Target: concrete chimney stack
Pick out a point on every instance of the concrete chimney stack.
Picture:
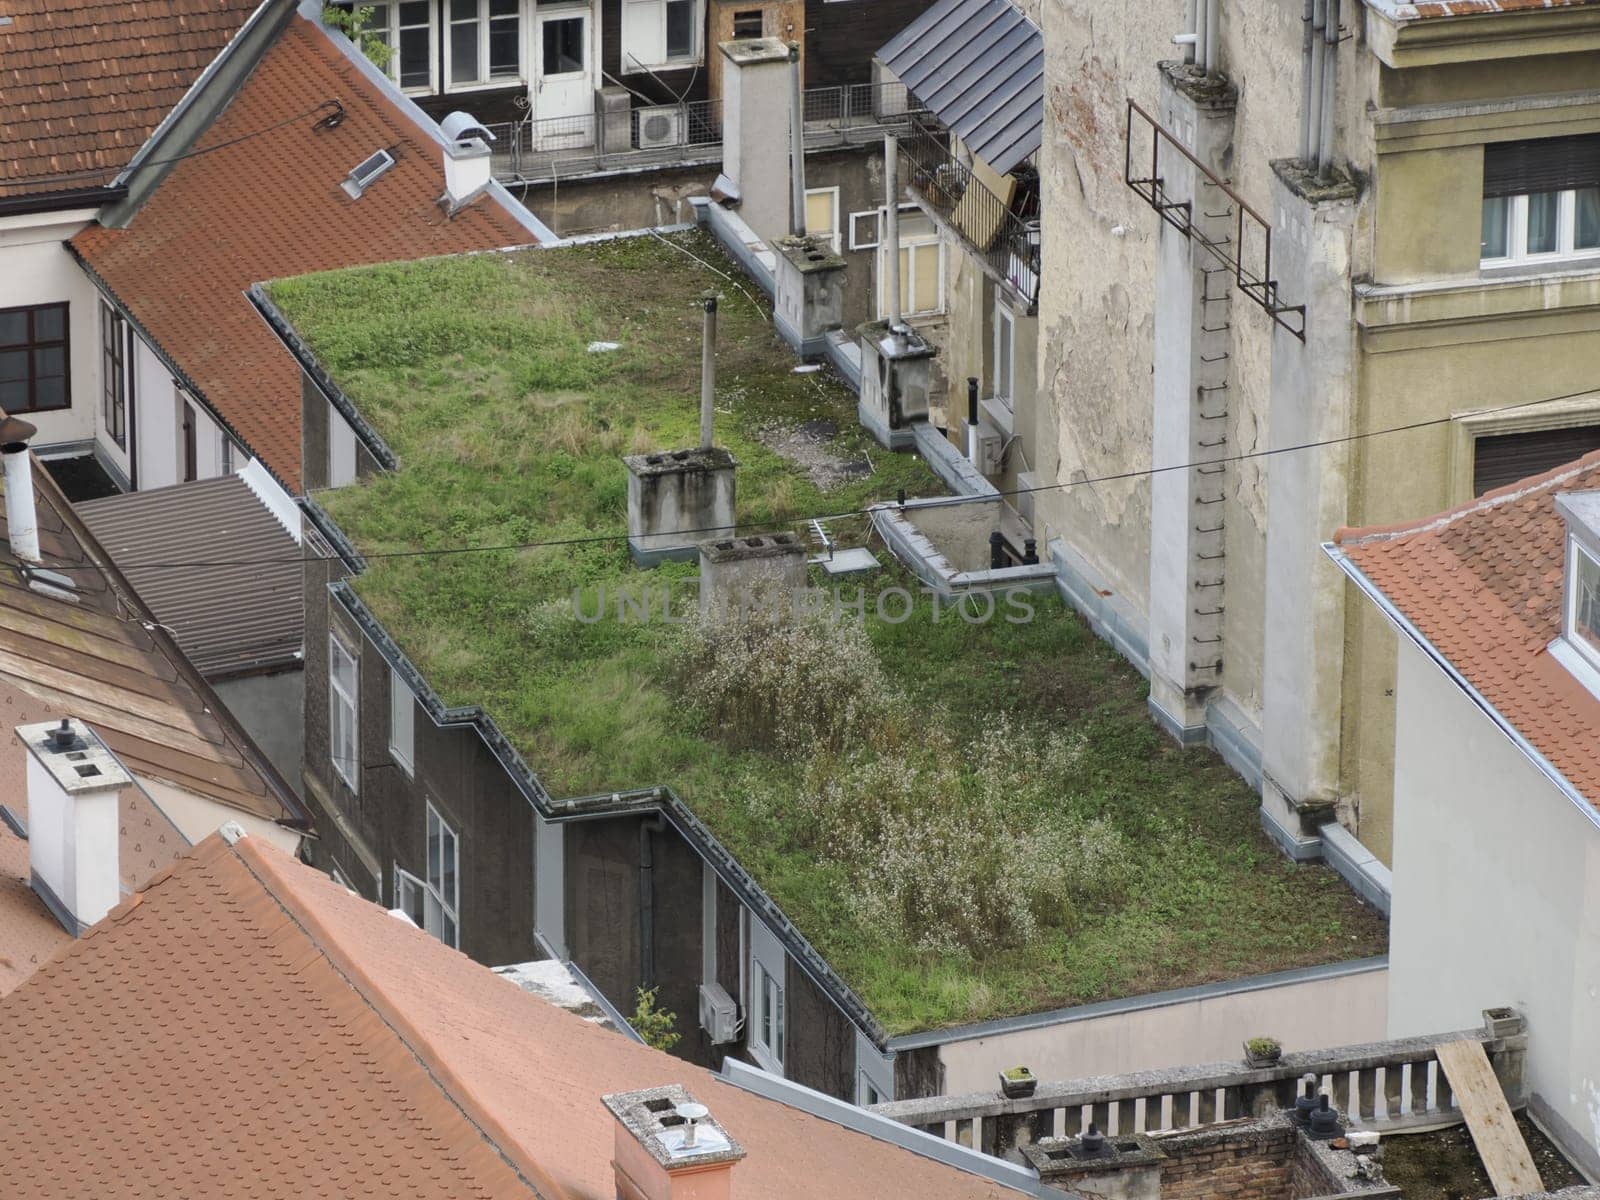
(73, 784)
(22, 521)
(667, 1147)
(468, 162)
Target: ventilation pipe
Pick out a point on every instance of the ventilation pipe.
(1213, 10)
(797, 144)
(1199, 32)
(708, 369)
(891, 229)
(1313, 117)
(1330, 74)
(1186, 39)
(972, 419)
(22, 521)
(1307, 39)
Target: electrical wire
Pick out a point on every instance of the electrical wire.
(330, 121)
(843, 514)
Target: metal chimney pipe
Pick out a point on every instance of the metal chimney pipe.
(1213, 36)
(1307, 40)
(797, 144)
(891, 228)
(1330, 75)
(22, 519)
(1319, 17)
(708, 369)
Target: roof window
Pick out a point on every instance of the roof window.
(1578, 647)
(366, 173)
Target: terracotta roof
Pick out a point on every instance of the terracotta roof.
(1483, 584)
(103, 660)
(1425, 10)
(270, 207)
(246, 1026)
(239, 609)
(83, 83)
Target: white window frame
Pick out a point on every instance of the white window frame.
(909, 280)
(484, 79)
(340, 698)
(1577, 552)
(834, 235)
(390, 30)
(651, 16)
(1005, 321)
(402, 724)
(767, 1024)
(1517, 253)
(449, 904)
(871, 241)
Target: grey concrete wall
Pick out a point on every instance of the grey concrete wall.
(1496, 893)
(271, 709)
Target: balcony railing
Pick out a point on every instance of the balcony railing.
(1385, 1085)
(1003, 235)
(540, 149)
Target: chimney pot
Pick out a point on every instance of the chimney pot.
(668, 1147)
(22, 521)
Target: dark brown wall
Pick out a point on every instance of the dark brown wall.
(663, 87)
(918, 1074)
(820, 1042)
(842, 36)
(313, 435)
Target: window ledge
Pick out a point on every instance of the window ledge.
(1001, 415)
(1578, 666)
(1489, 294)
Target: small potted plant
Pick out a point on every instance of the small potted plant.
(1017, 1082)
(1501, 1022)
(1262, 1051)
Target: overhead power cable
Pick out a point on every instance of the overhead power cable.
(601, 538)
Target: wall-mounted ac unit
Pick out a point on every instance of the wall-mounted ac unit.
(985, 448)
(659, 127)
(719, 1015)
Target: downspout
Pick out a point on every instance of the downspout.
(1319, 18)
(1213, 37)
(1330, 75)
(647, 899)
(1200, 32)
(891, 231)
(1187, 38)
(797, 144)
(1307, 40)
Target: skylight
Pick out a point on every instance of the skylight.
(366, 173)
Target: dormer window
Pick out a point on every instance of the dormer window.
(1578, 647)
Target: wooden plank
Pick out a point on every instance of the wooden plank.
(1505, 1155)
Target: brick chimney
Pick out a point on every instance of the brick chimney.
(73, 783)
(670, 1148)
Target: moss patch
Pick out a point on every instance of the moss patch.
(477, 372)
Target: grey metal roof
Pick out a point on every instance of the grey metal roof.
(979, 66)
(243, 614)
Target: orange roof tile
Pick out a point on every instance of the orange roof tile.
(83, 83)
(1483, 584)
(271, 207)
(245, 1026)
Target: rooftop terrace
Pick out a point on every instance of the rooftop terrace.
(968, 820)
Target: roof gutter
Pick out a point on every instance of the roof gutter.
(43, 202)
(1401, 622)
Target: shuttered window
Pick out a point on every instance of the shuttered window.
(1510, 457)
(1542, 165)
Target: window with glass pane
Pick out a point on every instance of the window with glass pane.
(414, 32)
(505, 38)
(114, 373)
(402, 722)
(33, 358)
(464, 41)
(680, 28)
(1004, 352)
(1584, 613)
(1541, 199)
(1586, 219)
(563, 46)
(442, 877)
(822, 214)
(1496, 227)
(771, 1028)
(342, 730)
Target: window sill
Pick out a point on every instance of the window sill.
(405, 765)
(764, 1058)
(1001, 415)
(1533, 268)
(673, 64)
(493, 85)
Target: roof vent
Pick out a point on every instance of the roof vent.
(366, 173)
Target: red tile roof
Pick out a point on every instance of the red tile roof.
(1483, 584)
(271, 207)
(1427, 10)
(83, 83)
(245, 1026)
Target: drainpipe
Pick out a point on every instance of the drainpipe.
(1213, 36)
(1319, 19)
(797, 144)
(1307, 40)
(891, 230)
(1330, 75)
(1187, 39)
(22, 520)
(972, 420)
(1200, 32)
(647, 899)
(708, 369)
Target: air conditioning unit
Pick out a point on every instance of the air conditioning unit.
(659, 127)
(986, 448)
(719, 1015)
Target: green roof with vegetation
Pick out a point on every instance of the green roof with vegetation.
(969, 820)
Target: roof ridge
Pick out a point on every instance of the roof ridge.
(270, 875)
(1361, 535)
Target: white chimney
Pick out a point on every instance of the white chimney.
(22, 521)
(73, 783)
(667, 1147)
(468, 164)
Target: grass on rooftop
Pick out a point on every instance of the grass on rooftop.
(1112, 862)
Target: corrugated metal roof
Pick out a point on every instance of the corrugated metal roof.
(979, 66)
(228, 619)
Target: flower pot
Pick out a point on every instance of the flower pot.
(1501, 1022)
(1267, 1058)
(1017, 1083)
